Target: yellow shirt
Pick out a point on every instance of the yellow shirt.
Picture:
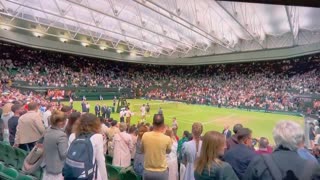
(155, 146)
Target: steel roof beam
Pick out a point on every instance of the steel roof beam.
(235, 20)
(84, 23)
(130, 23)
(203, 33)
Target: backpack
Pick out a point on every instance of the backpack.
(78, 164)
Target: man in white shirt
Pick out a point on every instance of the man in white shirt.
(122, 114)
(143, 113)
(128, 116)
(88, 107)
(46, 116)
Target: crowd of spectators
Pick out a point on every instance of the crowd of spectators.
(272, 85)
(156, 150)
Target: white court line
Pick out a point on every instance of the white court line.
(222, 118)
(186, 121)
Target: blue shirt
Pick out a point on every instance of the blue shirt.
(305, 154)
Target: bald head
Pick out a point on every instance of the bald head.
(32, 106)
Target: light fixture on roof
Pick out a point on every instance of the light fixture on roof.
(64, 40)
(133, 53)
(103, 47)
(5, 27)
(37, 34)
(84, 44)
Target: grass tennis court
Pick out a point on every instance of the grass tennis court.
(211, 117)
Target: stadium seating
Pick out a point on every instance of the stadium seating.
(9, 174)
(113, 172)
(108, 159)
(12, 162)
(118, 173)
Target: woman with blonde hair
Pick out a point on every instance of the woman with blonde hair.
(172, 158)
(209, 166)
(139, 156)
(90, 125)
(55, 146)
(122, 147)
(191, 151)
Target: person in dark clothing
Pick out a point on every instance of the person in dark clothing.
(233, 140)
(84, 106)
(97, 110)
(108, 112)
(240, 156)
(104, 111)
(226, 132)
(312, 134)
(284, 163)
(1, 129)
(13, 122)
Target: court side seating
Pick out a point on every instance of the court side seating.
(9, 174)
(113, 172)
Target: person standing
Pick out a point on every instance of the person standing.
(160, 111)
(172, 158)
(209, 165)
(288, 137)
(88, 107)
(148, 108)
(84, 106)
(312, 135)
(108, 113)
(241, 162)
(143, 113)
(191, 151)
(128, 116)
(122, 115)
(138, 163)
(56, 147)
(97, 110)
(155, 146)
(30, 128)
(111, 132)
(226, 132)
(90, 124)
(17, 109)
(233, 140)
(122, 147)
(114, 101)
(46, 116)
(104, 111)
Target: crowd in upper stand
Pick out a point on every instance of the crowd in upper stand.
(273, 84)
(156, 150)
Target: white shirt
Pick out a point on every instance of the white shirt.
(122, 113)
(143, 110)
(46, 118)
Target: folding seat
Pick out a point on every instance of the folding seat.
(9, 174)
(113, 172)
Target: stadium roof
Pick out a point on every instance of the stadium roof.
(166, 30)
